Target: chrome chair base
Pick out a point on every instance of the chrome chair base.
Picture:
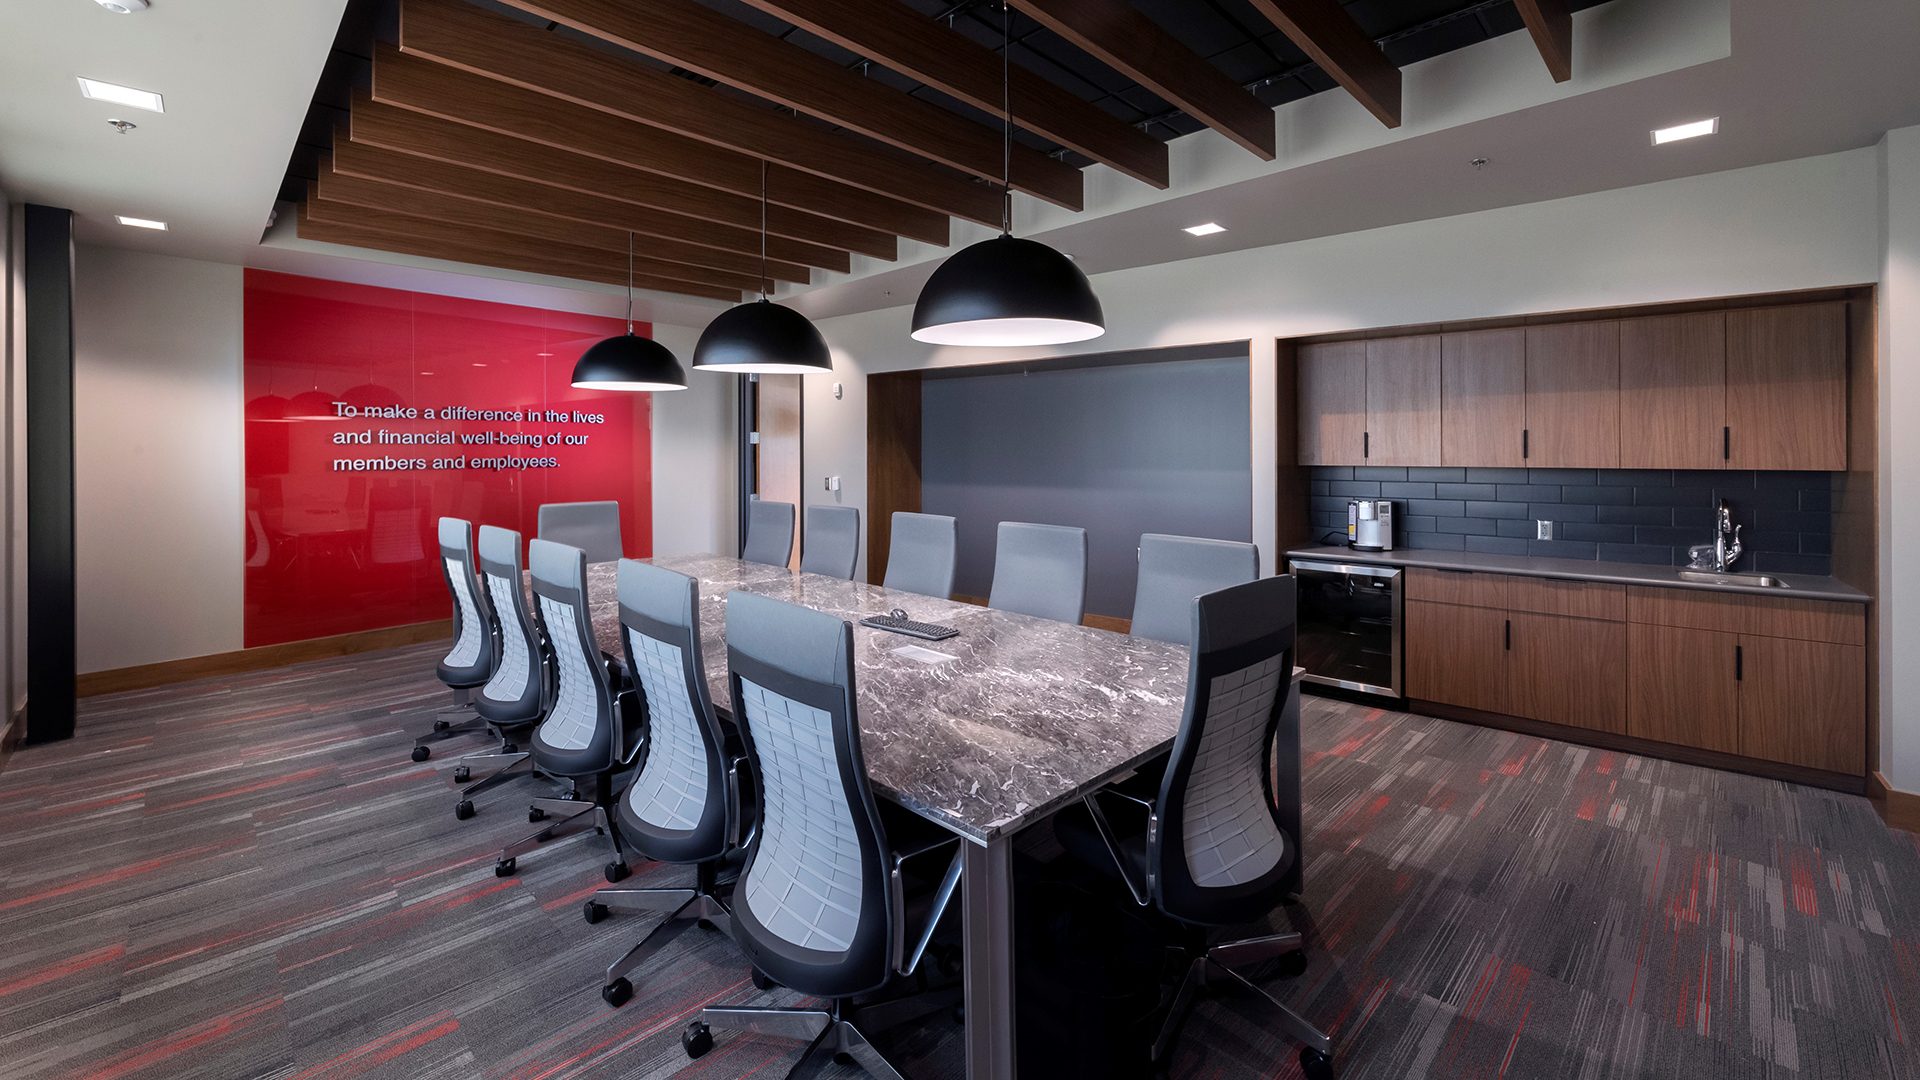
(697, 905)
(561, 818)
(840, 1030)
(1216, 963)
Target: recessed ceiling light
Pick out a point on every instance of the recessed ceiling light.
(1694, 130)
(123, 7)
(140, 222)
(121, 95)
(1205, 229)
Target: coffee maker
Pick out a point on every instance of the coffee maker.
(1370, 524)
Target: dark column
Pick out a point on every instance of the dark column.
(48, 266)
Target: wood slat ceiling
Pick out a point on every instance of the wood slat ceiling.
(539, 133)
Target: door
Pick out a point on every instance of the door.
(1787, 387)
(1573, 396)
(1681, 687)
(1804, 703)
(1568, 671)
(1457, 655)
(1403, 401)
(1483, 389)
(777, 454)
(1333, 403)
(1673, 391)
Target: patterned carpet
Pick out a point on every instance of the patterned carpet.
(247, 878)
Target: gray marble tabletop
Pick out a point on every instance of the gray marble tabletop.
(1019, 717)
(1798, 586)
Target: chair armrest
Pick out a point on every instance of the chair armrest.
(736, 813)
(904, 962)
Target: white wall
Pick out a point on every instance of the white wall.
(1899, 332)
(694, 459)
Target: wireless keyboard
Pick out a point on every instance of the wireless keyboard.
(898, 623)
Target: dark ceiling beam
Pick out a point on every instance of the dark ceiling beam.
(517, 183)
(388, 221)
(473, 253)
(895, 36)
(460, 35)
(694, 37)
(823, 211)
(456, 209)
(1551, 25)
(588, 189)
(1117, 35)
(1330, 38)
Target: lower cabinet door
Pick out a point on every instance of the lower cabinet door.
(1456, 655)
(1568, 671)
(1804, 703)
(1681, 687)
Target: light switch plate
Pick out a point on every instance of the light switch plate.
(1543, 530)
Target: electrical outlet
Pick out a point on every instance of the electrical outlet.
(1543, 530)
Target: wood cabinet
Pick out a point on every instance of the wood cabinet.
(1573, 396)
(1456, 655)
(1673, 391)
(1681, 687)
(1403, 401)
(1804, 703)
(1333, 402)
(1483, 398)
(1567, 670)
(1787, 387)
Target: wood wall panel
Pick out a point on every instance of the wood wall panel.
(893, 460)
(778, 475)
(1673, 400)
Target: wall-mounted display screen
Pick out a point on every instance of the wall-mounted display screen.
(371, 413)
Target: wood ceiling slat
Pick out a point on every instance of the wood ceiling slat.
(460, 35)
(455, 209)
(1329, 36)
(1120, 37)
(834, 211)
(684, 33)
(1551, 25)
(895, 36)
(595, 191)
(475, 254)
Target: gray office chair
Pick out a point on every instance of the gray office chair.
(683, 805)
(469, 662)
(1040, 570)
(920, 555)
(821, 903)
(592, 729)
(769, 533)
(593, 527)
(1202, 842)
(832, 544)
(1174, 570)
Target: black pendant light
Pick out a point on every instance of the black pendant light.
(1007, 291)
(629, 362)
(761, 337)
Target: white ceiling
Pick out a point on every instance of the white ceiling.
(1789, 79)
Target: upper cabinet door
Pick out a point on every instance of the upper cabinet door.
(1787, 387)
(1673, 399)
(1333, 403)
(1403, 401)
(1483, 387)
(1573, 395)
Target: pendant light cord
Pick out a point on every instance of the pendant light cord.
(1006, 110)
(629, 283)
(763, 228)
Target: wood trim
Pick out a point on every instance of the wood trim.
(1120, 37)
(1293, 524)
(1469, 588)
(686, 34)
(1551, 25)
(1856, 493)
(1330, 38)
(1559, 596)
(906, 41)
(1835, 621)
(12, 734)
(146, 676)
(1899, 809)
(893, 460)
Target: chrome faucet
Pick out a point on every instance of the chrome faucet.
(1725, 547)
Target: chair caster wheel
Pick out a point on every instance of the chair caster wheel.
(697, 1039)
(504, 868)
(619, 992)
(763, 981)
(842, 1058)
(421, 753)
(595, 911)
(442, 725)
(463, 809)
(616, 872)
(510, 748)
(536, 815)
(705, 924)
(1293, 965)
(1315, 1065)
(462, 774)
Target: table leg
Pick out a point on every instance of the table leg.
(987, 912)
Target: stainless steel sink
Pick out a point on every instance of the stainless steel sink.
(1708, 577)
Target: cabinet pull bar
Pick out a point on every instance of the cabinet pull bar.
(1509, 635)
(1523, 443)
(1366, 444)
(1739, 663)
(1726, 443)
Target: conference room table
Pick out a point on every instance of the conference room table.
(983, 733)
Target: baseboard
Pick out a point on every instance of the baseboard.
(146, 676)
(10, 737)
(1899, 809)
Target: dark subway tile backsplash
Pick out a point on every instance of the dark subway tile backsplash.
(1617, 515)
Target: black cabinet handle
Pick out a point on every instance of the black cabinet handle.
(1509, 635)
(1726, 444)
(1366, 444)
(1523, 443)
(1739, 663)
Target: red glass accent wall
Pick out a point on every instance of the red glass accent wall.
(348, 473)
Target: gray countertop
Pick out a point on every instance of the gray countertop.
(1798, 586)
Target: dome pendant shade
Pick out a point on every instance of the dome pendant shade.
(761, 337)
(629, 362)
(1007, 291)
